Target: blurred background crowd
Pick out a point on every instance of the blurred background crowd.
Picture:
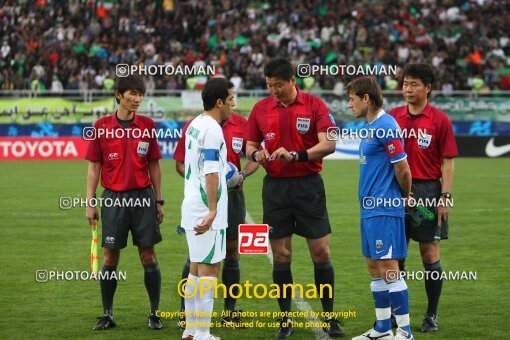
(52, 45)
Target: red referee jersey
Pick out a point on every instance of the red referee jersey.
(233, 132)
(125, 161)
(294, 127)
(425, 152)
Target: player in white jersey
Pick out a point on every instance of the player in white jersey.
(204, 208)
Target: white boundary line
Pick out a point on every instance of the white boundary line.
(301, 304)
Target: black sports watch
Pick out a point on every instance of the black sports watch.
(446, 195)
(294, 155)
(162, 202)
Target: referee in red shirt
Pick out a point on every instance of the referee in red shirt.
(233, 131)
(430, 147)
(128, 163)
(293, 126)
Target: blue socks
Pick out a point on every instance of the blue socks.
(382, 305)
(399, 296)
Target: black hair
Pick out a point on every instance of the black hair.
(132, 82)
(424, 72)
(279, 68)
(214, 89)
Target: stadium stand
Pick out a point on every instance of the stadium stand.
(75, 45)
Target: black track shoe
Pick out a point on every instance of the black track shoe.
(286, 329)
(429, 324)
(106, 321)
(154, 322)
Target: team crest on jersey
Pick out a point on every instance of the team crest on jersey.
(303, 125)
(379, 244)
(142, 149)
(424, 140)
(237, 144)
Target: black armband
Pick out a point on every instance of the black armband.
(253, 155)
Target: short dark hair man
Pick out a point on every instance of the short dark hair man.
(205, 205)
(293, 126)
(129, 170)
(430, 146)
(233, 131)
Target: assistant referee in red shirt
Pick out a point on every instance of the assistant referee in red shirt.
(430, 147)
(293, 126)
(130, 172)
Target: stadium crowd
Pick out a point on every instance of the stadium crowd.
(75, 45)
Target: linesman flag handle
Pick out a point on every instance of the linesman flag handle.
(94, 266)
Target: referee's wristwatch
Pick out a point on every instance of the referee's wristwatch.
(447, 195)
(162, 202)
(294, 155)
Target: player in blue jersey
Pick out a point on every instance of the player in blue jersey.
(384, 186)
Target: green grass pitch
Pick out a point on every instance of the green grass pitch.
(36, 234)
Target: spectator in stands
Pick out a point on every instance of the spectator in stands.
(86, 39)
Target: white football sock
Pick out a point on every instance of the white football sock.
(189, 305)
(204, 305)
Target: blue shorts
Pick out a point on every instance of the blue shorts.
(383, 237)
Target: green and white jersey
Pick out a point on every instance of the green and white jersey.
(206, 153)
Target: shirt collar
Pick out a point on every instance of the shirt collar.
(227, 122)
(299, 99)
(116, 123)
(426, 110)
(379, 114)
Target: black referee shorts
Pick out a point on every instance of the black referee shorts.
(142, 220)
(295, 205)
(426, 189)
(236, 213)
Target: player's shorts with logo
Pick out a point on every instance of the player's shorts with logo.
(426, 191)
(208, 247)
(236, 213)
(142, 220)
(383, 237)
(295, 205)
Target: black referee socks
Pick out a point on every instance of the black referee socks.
(325, 275)
(231, 274)
(152, 280)
(108, 284)
(433, 285)
(282, 275)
